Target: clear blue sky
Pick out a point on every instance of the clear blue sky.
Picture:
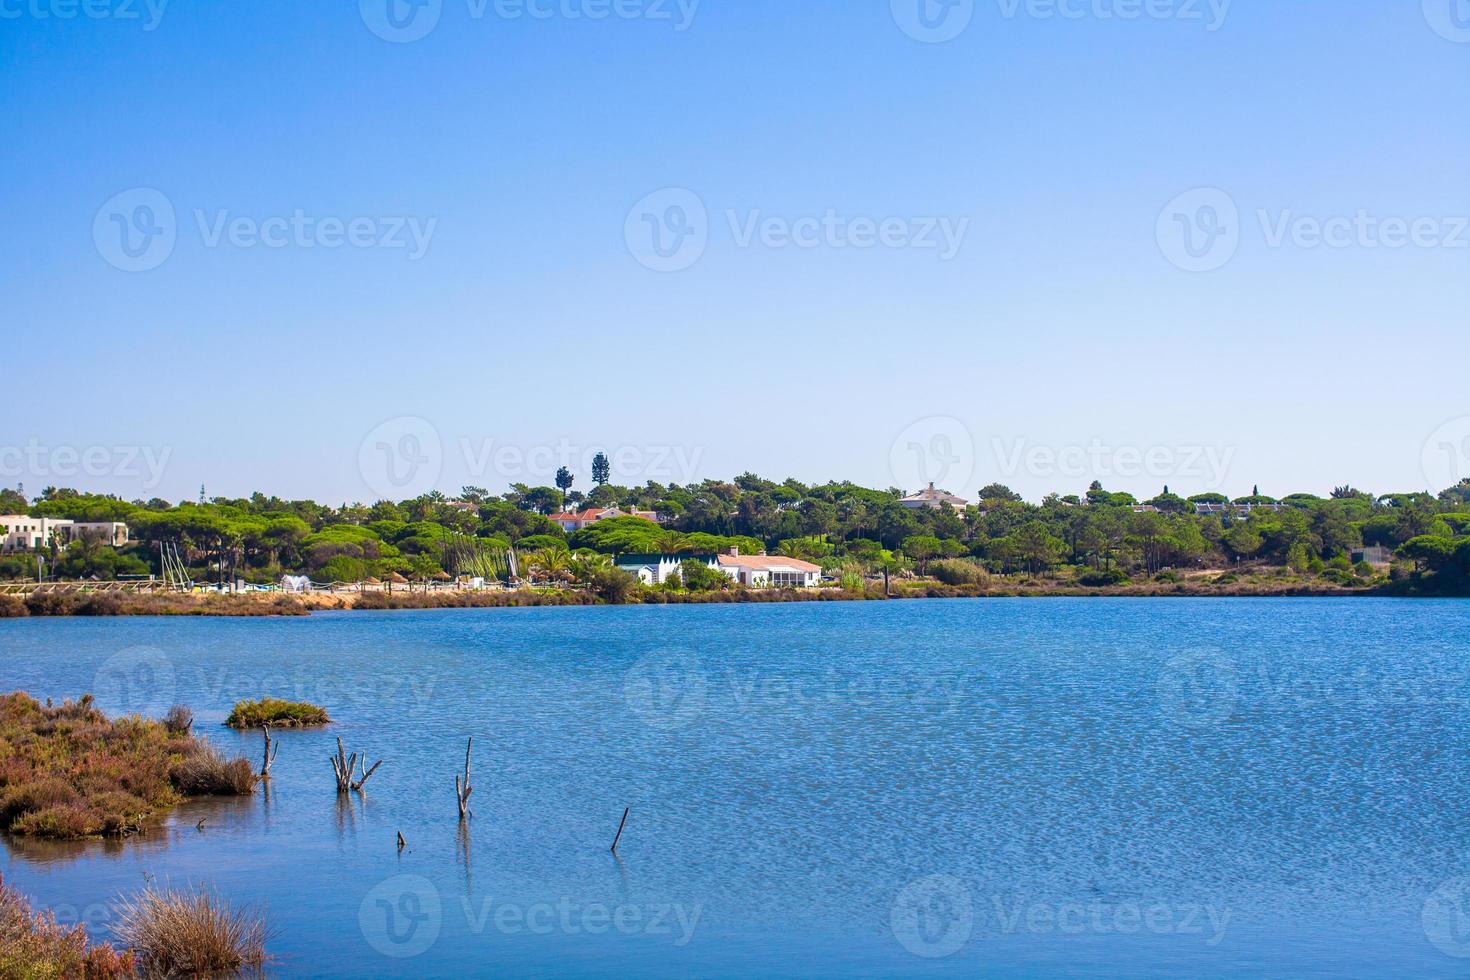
(530, 321)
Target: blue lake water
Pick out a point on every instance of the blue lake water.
(1084, 787)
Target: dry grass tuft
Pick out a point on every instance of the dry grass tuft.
(203, 771)
(188, 933)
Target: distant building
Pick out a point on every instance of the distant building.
(1373, 555)
(570, 522)
(1238, 510)
(765, 571)
(21, 533)
(933, 499)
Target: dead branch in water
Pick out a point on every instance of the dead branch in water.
(270, 754)
(463, 790)
(344, 765)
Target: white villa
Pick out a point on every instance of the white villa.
(770, 572)
(933, 499)
(760, 571)
(21, 533)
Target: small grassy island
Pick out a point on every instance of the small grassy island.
(69, 772)
(277, 714)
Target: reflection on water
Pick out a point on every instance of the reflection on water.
(1091, 787)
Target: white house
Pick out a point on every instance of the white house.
(933, 499)
(21, 533)
(763, 571)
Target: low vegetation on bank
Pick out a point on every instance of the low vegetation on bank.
(156, 604)
(277, 714)
(34, 946)
(163, 933)
(71, 772)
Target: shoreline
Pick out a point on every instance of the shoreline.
(269, 605)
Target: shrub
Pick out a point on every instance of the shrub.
(276, 713)
(1101, 577)
(178, 933)
(179, 720)
(11, 607)
(33, 945)
(957, 571)
(70, 772)
(699, 577)
(612, 585)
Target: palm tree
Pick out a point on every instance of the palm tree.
(551, 564)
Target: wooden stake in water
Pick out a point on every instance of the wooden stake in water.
(620, 829)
